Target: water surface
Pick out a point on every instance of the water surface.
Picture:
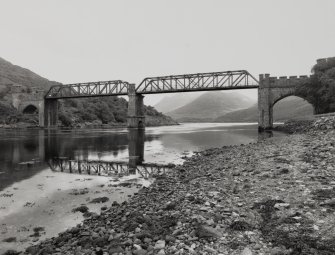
(50, 172)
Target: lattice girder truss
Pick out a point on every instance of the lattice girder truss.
(105, 168)
(240, 79)
(89, 89)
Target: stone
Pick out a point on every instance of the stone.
(170, 239)
(160, 244)
(140, 252)
(246, 251)
(204, 231)
(115, 250)
(147, 240)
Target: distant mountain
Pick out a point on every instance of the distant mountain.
(211, 105)
(174, 101)
(288, 108)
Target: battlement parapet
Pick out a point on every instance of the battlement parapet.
(282, 81)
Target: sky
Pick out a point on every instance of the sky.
(72, 41)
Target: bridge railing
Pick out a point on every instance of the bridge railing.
(240, 79)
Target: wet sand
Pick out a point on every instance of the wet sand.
(39, 203)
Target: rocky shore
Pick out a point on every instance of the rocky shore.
(272, 197)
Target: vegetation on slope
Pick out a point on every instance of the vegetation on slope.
(105, 110)
(320, 88)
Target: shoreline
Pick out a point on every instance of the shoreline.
(270, 197)
(7, 127)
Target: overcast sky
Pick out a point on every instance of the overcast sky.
(89, 40)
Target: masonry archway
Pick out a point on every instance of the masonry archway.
(271, 90)
(30, 109)
(291, 107)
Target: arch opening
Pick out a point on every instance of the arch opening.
(291, 107)
(30, 109)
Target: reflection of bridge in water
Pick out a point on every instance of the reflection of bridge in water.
(105, 168)
(134, 165)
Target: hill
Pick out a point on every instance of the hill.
(21, 78)
(288, 108)
(172, 102)
(211, 105)
(72, 112)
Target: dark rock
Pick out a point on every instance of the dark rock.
(9, 240)
(82, 209)
(99, 200)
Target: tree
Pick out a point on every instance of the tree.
(319, 90)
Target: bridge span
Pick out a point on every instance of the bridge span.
(270, 91)
(228, 80)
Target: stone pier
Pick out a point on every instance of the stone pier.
(136, 117)
(49, 113)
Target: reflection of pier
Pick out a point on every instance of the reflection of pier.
(105, 168)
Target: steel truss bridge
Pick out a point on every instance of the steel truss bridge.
(240, 79)
(106, 168)
(198, 82)
(88, 89)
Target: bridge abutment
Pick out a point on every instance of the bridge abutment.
(136, 117)
(270, 91)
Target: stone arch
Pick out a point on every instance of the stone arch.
(30, 109)
(300, 108)
(271, 90)
(282, 96)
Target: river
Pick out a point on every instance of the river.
(45, 174)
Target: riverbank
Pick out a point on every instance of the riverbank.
(272, 197)
(86, 125)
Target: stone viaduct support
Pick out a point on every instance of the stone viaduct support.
(49, 113)
(270, 91)
(136, 117)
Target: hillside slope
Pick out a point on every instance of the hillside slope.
(211, 105)
(24, 79)
(72, 112)
(174, 101)
(288, 108)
